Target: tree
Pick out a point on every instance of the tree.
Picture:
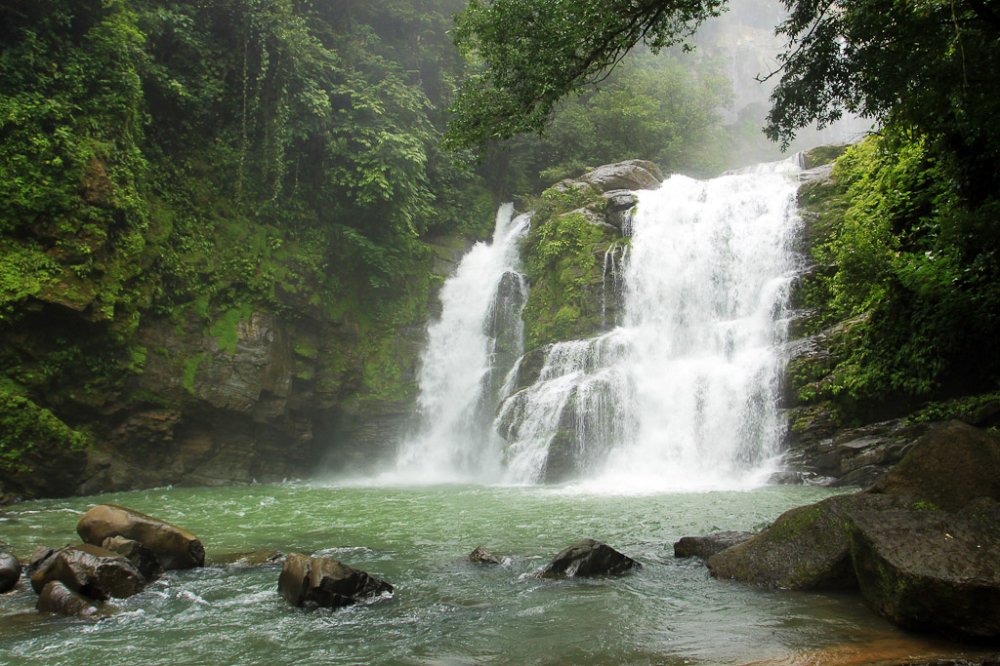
(928, 64)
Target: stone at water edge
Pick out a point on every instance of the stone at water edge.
(806, 548)
(10, 572)
(142, 558)
(174, 547)
(710, 544)
(326, 582)
(57, 598)
(931, 570)
(482, 556)
(588, 558)
(92, 571)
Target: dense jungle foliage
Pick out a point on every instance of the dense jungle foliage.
(197, 159)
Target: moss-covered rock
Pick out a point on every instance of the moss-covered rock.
(930, 570)
(806, 548)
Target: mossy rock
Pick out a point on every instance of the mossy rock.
(952, 464)
(930, 570)
(806, 548)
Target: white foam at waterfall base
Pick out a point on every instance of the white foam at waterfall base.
(452, 443)
(707, 279)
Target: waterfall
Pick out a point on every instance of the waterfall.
(469, 352)
(684, 392)
(679, 392)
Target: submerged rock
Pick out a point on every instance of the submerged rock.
(326, 582)
(932, 570)
(805, 549)
(174, 547)
(90, 570)
(589, 558)
(949, 466)
(57, 598)
(483, 556)
(710, 544)
(10, 572)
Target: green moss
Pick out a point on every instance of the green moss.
(306, 350)
(225, 330)
(26, 427)
(189, 371)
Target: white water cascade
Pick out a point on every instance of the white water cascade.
(680, 393)
(470, 349)
(684, 393)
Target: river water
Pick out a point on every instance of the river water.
(445, 610)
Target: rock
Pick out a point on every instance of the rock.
(483, 556)
(805, 549)
(588, 558)
(628, 175)
(91, 571)
(932, 570)
(326, 582)
(10, 572)
(39, 559)
(619, 207)
(710, 544)
(57, 598)
(142, 558)
(949, 466)
(174, 547)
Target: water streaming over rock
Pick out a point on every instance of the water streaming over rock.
(470, 350)
(682, 392)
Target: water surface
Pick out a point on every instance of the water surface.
(445, 610)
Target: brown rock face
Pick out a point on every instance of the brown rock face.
(57, 598)
(949, 466)
(174, 547)
(10, 572)
(89, 570)
(326, 582)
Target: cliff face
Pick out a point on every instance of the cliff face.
(254, 393)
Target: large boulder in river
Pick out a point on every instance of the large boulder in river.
(806, 548)
(588, 558)
(55, 597)
(174, 547)
(326, 582)
(142, 558)
(949, 466)
(932, 570)
(10, 572)
(90, 570)
(710, 544)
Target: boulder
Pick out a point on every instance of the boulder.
(932, 570)
(483, 556)
(588, 558)
(174, 547)
(57, 598)
(326, 582)
(619, 207)
(710, 544)
(805, 549)
(142, 558)
(950, 465)
(92, 571)
(10, 572)
(627, 175)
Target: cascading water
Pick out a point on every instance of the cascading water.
(683, 394)
(468, 355)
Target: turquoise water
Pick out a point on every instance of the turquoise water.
(445, 610)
